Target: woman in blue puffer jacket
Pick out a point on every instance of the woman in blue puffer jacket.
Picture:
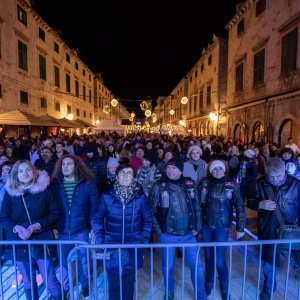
(123, 217)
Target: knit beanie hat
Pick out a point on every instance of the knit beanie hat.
(177, 162)
(249, 153)
(112, 162)
(150, 158)
(215, 164)
(191, 149)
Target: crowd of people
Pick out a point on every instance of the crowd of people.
(139, 189)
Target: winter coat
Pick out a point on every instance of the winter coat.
(189, 171)
(175, 207)
(98, 168)
(218, 198)
(76, 217)
(287, 197)
(42, 208)
(146, 177)
(116, 223)
(41, 165)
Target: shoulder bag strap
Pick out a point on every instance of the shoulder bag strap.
(28, 216)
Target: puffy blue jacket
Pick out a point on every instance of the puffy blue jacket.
(115, 223)
(76, 217)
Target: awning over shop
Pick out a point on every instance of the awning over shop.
(18, 118)
(83, 123)
(109, 125)
(68, 123)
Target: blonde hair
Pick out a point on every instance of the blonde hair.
(14, 182)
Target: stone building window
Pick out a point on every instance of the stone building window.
(42, 34)
(91, 115)
(259, 67)
(202, 68)
(208, 95)
(22, 15)
(56, 76)
(43, 102)
(84, 114)
(76, 88)
(0, 90)
(241, 27)
(195, 103)
(83, 72)
(289, 52)
(67, 57)
(56, 47)
(42, 65)
(22, 54)
(260, 7)
(90, 96)
(201, 98)
(24, 97)
(68, 83)
(209, 60)
(76, 65)
(84, 92)
(57, 106)
(239, 78)
(69, 110)
(77, 112)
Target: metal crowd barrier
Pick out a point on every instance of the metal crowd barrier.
(289, 289)
(244, 260)
(9, 266)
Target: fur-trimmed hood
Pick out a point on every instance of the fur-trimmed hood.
(39, 186)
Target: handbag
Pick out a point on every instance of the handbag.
(37, 250)
(287, 232)
(115, 257)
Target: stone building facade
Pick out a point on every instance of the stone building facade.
(263, 95)
(40, 74)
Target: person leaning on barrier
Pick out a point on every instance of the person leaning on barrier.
(74, 187)
(219, 195)
(28, 212)
(176, 217)
(123, 217)
(276, 189)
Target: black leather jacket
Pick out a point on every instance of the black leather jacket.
(175, 206)
(218, 197)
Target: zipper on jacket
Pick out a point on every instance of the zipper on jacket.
(123, 227)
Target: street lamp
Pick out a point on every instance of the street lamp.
(212, 116)
(70, 117)
(114, 102)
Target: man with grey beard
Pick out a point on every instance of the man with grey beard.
(276, 189)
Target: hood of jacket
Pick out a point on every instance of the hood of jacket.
(38, 186)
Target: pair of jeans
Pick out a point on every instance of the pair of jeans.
(128, 281)
(268, 270)
(47, 270)
(212, 234)
(193, 257)
(82, 257)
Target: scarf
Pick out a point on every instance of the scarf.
(124, 193)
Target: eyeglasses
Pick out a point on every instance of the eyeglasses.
(129, 174)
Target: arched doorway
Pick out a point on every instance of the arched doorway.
(285, 131)
(210, 127)
(237, 132)
(258, 132)
(201, 129)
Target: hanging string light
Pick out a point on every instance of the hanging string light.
(184, 100)
(148, 113)
(144, 105)
(132, 114)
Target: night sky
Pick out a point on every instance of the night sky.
(142, 48)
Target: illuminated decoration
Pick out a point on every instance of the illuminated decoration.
(147, 124)
(132, 115)
(172, 112)
(181, 122)
(148, 113)
(168, 129)
(154, 116)
(184, 100)
(212, 116)
(154, 120)
(130, 119)
(97, 122)
(144, 106)
(106, 109)
(70, 116)
(114, 102)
